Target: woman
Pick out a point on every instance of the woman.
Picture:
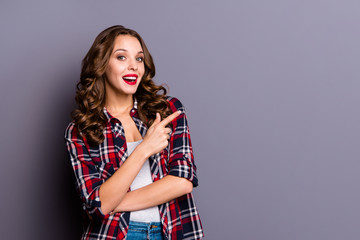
(130, 147)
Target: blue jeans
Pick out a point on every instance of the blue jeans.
(144, 231)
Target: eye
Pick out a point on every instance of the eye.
(140, 59)
(120, 57)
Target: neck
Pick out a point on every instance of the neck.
(119, 104)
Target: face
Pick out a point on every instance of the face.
(126, 66)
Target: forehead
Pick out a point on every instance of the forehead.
(128, 43)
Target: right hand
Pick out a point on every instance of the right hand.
(157, 136)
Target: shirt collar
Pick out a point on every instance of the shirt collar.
(109, 117)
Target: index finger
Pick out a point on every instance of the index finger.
(169, 118)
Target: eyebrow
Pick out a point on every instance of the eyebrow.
(124, 50)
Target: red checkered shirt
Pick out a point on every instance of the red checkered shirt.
(93, 165)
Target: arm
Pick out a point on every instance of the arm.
(156, 139)
(159, 192)
(88, 177)
(111, 192)
(181, 171)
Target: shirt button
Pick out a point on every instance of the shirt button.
(122, 148)
(186, 155)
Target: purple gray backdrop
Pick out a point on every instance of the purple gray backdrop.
(271, 88)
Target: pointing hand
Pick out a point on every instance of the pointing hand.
(157, 136)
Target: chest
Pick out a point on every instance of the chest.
(129, 129)
(112, 153)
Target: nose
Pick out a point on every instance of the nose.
(132, 65)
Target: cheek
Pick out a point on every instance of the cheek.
(111, 75)
(115, 68)
(109, 71)
(142, 71)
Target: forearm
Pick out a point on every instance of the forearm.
(116, 187)
(111, 192)
(164, 190)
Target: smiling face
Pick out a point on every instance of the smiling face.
(126, 66)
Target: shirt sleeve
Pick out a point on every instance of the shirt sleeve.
(88, 177)
(181, 158)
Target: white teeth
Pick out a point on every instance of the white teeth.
(130, 78)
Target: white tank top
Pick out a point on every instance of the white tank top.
(142, 179)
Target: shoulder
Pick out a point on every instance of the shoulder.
(72, 133)
(175, 104)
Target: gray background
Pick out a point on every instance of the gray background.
(271, 88)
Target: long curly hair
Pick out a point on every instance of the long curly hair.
(89, 117)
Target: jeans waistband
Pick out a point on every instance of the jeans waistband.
(145, 226)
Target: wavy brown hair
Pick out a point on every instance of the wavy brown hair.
(89, 117)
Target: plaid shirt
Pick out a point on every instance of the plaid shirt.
(93, 165)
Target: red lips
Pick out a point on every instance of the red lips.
(130, 78)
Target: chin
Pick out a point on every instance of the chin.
(130, 91)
